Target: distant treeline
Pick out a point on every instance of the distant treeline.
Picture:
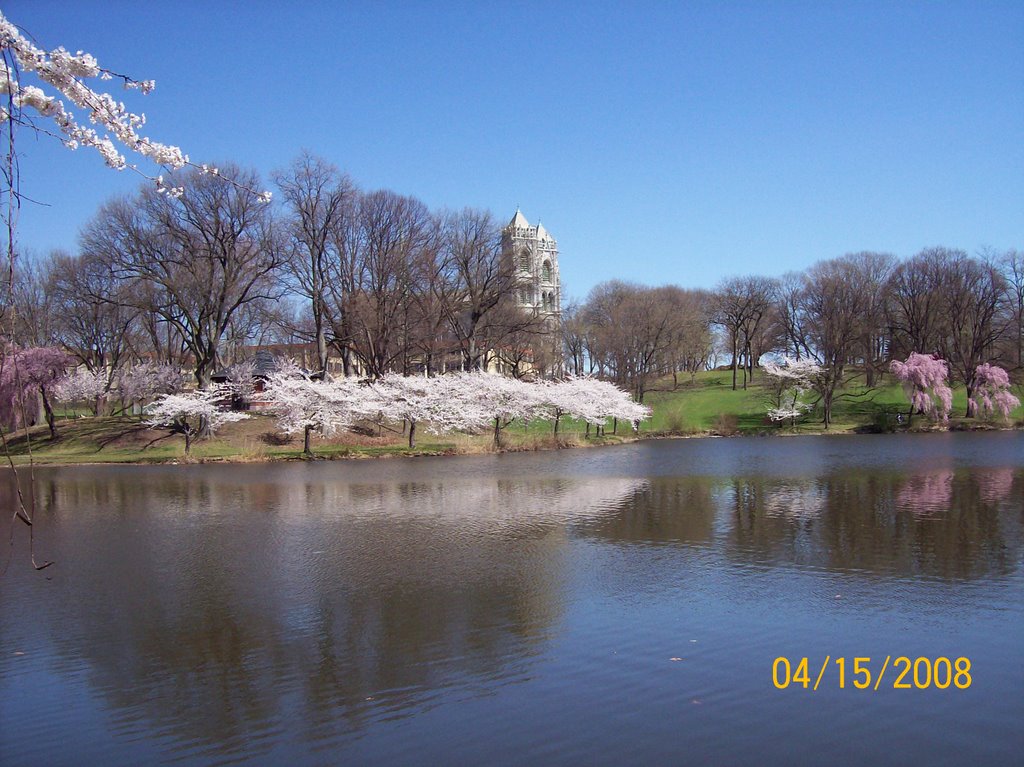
(382, 283)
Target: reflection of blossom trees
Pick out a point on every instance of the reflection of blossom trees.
(926, 493)
(796, 500)
(245, 590)
(859, 522)
(994, 485)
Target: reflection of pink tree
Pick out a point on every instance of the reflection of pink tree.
(924, 380)
(995, 485)
(927, 493)
(991, 392)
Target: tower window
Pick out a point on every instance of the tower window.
(546, 271)
(524, 260)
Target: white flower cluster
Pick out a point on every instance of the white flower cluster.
(67, 73)
(793, 379)
(188, 411)
(81, 386)
(447, 403)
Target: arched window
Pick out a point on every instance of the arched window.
(524, 260)
(545, 273)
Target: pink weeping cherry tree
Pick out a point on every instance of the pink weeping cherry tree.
(991, 393)
(924, 380)
(27, 379)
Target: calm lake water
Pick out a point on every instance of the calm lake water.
(609, 606)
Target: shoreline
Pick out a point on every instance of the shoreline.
(357, 452)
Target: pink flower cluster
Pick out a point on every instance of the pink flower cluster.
(924, 380)
(992, 392)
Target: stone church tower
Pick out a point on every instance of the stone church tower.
(535, 255)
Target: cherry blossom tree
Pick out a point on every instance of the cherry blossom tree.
(789, 381)
(991, 392)
(444, 403)
(409, 398)
(242, 381)
(924, 380)
(143, 382)
(83, 386)
(305, 405)
(504, 400)
(26, 374)
(593, 401)
(193, 413)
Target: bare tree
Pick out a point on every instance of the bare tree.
(200, 257)
(372, 278)
(319, 199)
(482, 275)
(1012, 266)
(833, 304)
(635, 332)
(574, 331)
(742, 306)
(873, 271)
(973, 319)
(95, 319)
(28, 303)
(916, 302)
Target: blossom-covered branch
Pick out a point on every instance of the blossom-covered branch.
(66, 74)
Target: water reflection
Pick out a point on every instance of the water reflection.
(205, 606)
(220, 610)
(938, 523)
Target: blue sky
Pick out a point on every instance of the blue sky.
(658, 142)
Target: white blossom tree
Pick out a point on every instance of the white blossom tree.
(789, 382)
(306, 405)
(83, 386)
(141, 383)
(503, 400)
(242, 381)
(193, 413)
(445, 403)
(595, 401)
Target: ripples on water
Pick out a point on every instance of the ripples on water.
(521, 608)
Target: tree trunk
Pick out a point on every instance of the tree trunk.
(497, 432)
(412, 435)
(734, 363)
(307, 449)
(48, 410)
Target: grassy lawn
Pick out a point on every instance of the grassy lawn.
(699, 407)
(707, 405)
